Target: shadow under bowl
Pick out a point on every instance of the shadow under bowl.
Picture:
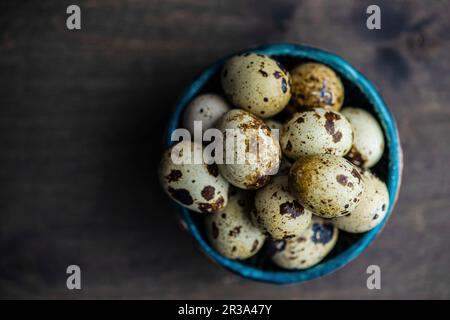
(359, 92)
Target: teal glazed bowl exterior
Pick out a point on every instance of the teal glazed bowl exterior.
(392, 172)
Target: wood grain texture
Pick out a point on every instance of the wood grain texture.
(81, 120)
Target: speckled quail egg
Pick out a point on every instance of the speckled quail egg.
(368, 140)
(256, 83)
(198, 187)
(316, 131)
(328, 185)
(306, 249)
(207, 108)
(370, 211)
(251, 153)
(316, 85)
(277, 212)
(231, 232)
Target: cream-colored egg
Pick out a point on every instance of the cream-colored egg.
(306, 249)
(278, 212)
(207, 108)
(198, 187)
(316, 131)
(231, 231)
(328, 185)
(370, 211)
(315, 85)
(251, 153)
(368, 141)
(256, 83)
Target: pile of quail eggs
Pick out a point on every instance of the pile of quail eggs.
(313, 178)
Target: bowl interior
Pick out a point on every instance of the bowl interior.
(359, 92)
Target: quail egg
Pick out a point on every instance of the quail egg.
(207, 108)
(277, 212)
(370, 211)
(256, 83)
(316, 85)
(198, 187)
(251, 153)
(231, 231)
(306, 249)
(316, 131)
(368, 141)
(328, 185)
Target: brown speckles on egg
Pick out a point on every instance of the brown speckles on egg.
(219, 204)
(331, 117)
(262, 181)
(301, 239)
(294, 209)
(205, 207)
(300, 120)
(263, 73)
(208, 192)
(342, 179)
(356, 157)
(288, 146)
(277, 74)
(337, 136)
(356, 174)
(212, 169)
(235, 231)
(174, 176)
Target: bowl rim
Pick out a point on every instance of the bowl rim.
(395, 166)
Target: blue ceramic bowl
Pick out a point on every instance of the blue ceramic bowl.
(359, 92)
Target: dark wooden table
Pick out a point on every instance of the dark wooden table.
(81, 121)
